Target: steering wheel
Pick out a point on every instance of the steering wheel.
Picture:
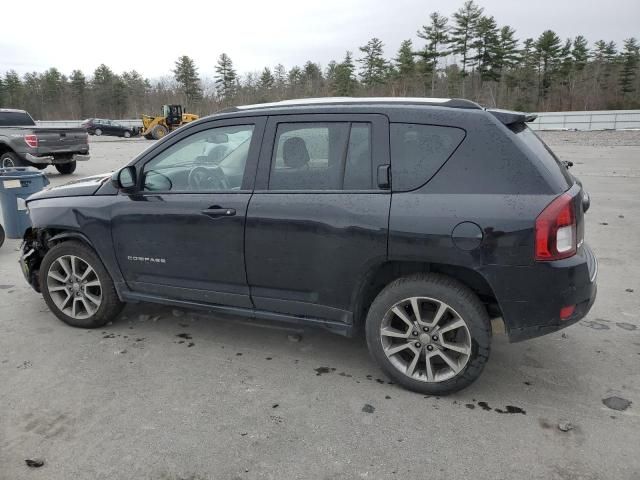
(208, 178)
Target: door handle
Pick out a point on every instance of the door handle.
(219, 212)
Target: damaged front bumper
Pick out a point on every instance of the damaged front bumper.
(30, 259)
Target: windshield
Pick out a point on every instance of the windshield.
(16, 119)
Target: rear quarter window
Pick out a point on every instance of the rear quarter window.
(418, 151)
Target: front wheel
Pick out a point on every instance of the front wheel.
(159, 131)
(429, 333)
(66, 168)
(98, 132)
(76, 286)
(127, 134)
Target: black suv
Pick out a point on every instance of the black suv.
(417, 220)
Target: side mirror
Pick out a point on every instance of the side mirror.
(125, 178)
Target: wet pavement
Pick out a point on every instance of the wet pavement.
(164, 393)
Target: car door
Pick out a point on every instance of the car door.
(181, 234)
(318, 220)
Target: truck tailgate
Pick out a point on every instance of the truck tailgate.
(52, 140)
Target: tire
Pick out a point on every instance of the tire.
(108, 307)
(10, 159)
(431, 293)
(98, 132)
(148, 136)
(66, 168)
(159, 131)
(127, 134)
(2, 235)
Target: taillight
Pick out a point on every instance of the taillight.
(31, 140)
(556, 230)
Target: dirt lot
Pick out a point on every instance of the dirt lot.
(170, 394)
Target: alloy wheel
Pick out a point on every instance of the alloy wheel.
(74, 287)
(425, 339)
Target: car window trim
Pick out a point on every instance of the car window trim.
(379, 145)
(248, 178)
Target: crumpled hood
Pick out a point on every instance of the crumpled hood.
(75, 188)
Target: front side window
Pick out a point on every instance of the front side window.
(322, 156)
(210, 160)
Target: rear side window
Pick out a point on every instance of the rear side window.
(322, 156)
(418, 151)
(15, 119)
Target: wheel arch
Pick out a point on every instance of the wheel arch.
(5, 148)
(380, 275)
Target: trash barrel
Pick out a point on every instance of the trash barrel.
(16, 184)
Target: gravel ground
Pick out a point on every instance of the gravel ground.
(249, 401)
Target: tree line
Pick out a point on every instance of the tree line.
(467, 55)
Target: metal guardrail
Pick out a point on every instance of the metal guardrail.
(76, 123)
(595, 120)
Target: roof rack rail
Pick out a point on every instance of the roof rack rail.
(444, 102)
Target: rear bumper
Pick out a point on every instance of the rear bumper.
(531, 297)
(51, 159)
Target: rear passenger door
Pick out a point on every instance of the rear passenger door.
(317, 220)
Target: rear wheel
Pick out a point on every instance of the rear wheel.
(10, 159)
(76, 286)
(159, 131)
(127, 134)
(98, 132)
(66, 168)
(429, 333)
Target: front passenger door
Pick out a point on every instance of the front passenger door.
(181, 235)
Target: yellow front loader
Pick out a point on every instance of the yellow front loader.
(154, 128)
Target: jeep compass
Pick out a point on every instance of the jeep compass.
(414, 220)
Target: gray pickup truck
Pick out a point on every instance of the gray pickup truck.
(23, 143)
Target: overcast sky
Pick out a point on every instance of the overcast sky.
(149, 36)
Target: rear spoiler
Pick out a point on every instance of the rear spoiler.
(509, 117)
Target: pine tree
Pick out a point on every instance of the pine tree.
(226, 78)
(345, 82)
(505, 60)
(136, 87)
(14, 92)
(404, 63)
(548, 51)
(311, 78)
(186, 74)
(78, 86)
(374, 68)
(463, 34)
(266, 79)
(630, 59)
(437, 37)
(280, 76)
(487, 45)
(295, 80)
(525, 77)
(102, 84)
(580, 52)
